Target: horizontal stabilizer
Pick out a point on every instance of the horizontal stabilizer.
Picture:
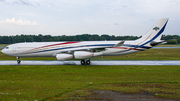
(154, 43)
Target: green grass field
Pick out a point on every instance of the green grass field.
(75, 82)
(166, 45)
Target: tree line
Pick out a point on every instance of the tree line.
(83, 37)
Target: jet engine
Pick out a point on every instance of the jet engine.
(83, 54)
(61, 57)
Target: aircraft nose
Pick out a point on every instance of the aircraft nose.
(7, 51)
(2, 51)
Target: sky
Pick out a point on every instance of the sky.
(76, 17)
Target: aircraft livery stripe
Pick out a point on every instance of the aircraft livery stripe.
(47, 46)
(106, 45)
(58, 44)
(86, 45)
(128, 48)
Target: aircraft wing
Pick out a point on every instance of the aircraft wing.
(95, 49)
(103, 48)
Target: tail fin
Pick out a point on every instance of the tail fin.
(154, 35)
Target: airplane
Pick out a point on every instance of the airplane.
(84, 50)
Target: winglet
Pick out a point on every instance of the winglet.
(119, 44)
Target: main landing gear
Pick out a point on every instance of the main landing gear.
(18, 61)
(85, 62)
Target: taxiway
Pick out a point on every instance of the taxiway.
(106, 63)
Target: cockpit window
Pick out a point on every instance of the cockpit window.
(7, 48)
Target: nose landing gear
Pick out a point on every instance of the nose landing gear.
(18, 61)
(85, 62)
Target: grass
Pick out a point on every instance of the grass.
(74, 82)
(166, 45)
(3, 45)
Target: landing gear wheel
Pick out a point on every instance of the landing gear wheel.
(18, 61)
(83, 62)
(88, 62)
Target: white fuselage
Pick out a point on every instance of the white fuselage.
(50, 49)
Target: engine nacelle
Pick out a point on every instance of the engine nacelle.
(61, 57)
(83, 54)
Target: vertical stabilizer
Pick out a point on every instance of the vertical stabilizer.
(153, 35)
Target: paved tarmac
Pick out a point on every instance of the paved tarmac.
(106, 63)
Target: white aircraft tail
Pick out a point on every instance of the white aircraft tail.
(153, 36)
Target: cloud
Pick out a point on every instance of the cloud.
(25, 2)
(18, 22)
(2, 0)
(82, 16)
(21, 2)
(116, 24)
